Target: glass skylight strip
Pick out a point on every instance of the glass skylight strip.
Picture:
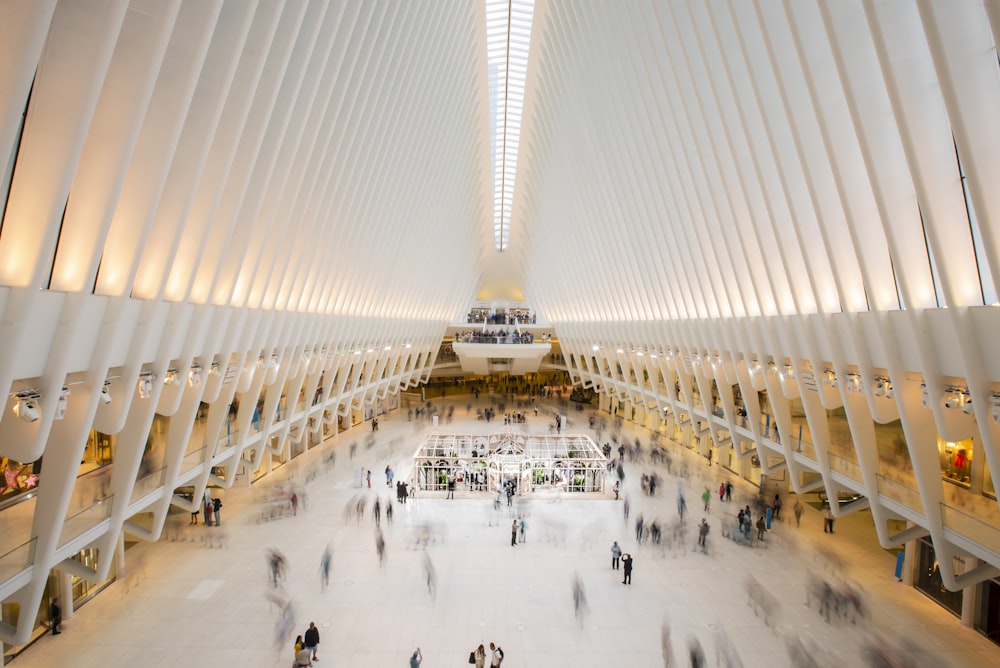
(508, 34)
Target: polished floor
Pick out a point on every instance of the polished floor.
(203, 596)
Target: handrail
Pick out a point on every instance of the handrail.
(899, 492)
(148, 484)
(17, 559)
(510, 339)
(79, 523)
(970, 527)
(192, 459)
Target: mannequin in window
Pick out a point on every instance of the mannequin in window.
(960, 461)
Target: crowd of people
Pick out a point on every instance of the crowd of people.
(626, 457)
(498, 336)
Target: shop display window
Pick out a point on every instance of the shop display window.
(956, 460)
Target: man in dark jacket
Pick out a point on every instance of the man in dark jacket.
(627, 567)
(311, 639)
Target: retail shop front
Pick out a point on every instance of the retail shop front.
(70, 590)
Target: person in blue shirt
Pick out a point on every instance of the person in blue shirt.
(416, 659)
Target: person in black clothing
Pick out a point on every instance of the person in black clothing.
(311, 638)
(55, 612)
(627, 567)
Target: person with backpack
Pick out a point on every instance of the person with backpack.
(496, 656)
(216, 507)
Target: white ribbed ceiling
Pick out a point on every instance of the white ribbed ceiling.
(677, 159)
(321, 156)
(696, 160)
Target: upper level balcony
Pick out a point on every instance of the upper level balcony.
(500, 354)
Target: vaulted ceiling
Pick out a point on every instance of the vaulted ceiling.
(686, 159)
(288, 191)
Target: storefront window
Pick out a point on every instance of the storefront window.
(928, 579)
(988, 615)
(956, 460)
(18, 477)
(85, 589)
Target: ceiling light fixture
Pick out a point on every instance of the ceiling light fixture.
(145, 385)
(62, 404)
(26, 407)
(106, 393)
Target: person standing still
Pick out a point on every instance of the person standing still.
(55, 612)
(513, 533)
(496, 656)
(522, 526)
(616, 555)
(798, 513)
(216, 507)
(627, 561)
(828, 519)
(311, 639)
(416, 658)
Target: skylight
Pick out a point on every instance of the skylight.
(508, 33)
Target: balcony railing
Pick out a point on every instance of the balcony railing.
(901, 493)
(975, 528)
(16, 560)
(193, 459)
(148, 484)
(79, 523)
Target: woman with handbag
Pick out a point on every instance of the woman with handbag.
(478, 656)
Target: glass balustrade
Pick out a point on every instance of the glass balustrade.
(17, 559)
(193, 459)
(85, 519)
(900, 492)
(148, 484)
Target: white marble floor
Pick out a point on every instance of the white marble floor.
(185, 602)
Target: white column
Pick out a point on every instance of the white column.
(64, 592)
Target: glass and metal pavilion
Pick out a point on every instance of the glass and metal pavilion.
(570, 462)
